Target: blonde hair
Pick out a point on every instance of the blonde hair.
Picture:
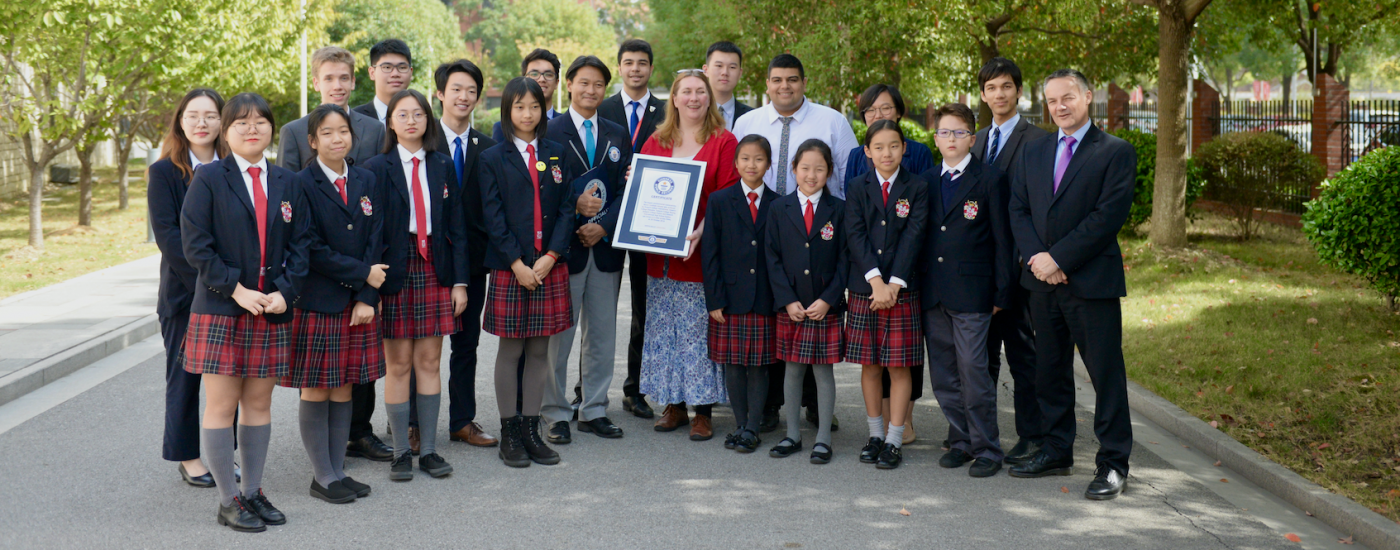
(668, 133)
(331, 54)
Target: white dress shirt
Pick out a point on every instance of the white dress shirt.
(195, 163)
(381, 110)
(525, 155)
(640, 109)
(815, 199)
(957, 170)
(758, 202)
(452, 136)
(578, 121)
(248, 178)
(406, 158)
(873, 273)
(810, 121)
(331, 175)
(1006, 129)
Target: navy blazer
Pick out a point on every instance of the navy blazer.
(802, 266)
(732, 252)
(610, 136)
(967, 262)
(448, 243)
(367, 109)
(614, 108)
(343, 240)
(878, 236)
(165, 194)
(1078, 225)
(508, 204)
(469, 186)
(917, 159)
(219, 231)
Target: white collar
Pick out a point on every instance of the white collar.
(815, 199)
(405, 156)
(243, 164)
(626, 99)
(797, 116)
(381, 110)
(578, 121)
(194, 161)
(960, 168)
(882, 180)
(746, 189)
(520, 144)
(449, 134)
(330, 174)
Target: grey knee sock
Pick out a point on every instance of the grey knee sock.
(507, 375)
(825, 378)
(398, 420)
(758, 395)
(312, 415)
(536, 365)
(252, 452)
(736, 380)
(338, 432)
(792, 399)
(428, 406)
(218, 455)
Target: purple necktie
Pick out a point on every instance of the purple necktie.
(1064, 160)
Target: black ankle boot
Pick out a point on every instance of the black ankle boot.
(512, 449)
(534, 444)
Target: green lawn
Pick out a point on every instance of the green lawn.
(1288, 356)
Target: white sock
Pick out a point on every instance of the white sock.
(877, 425)
(895, 437)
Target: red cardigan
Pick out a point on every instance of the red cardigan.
(718, 156)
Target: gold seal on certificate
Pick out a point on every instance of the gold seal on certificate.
(659, 205)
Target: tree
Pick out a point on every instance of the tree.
(509, 30)
(428, 26)
(1339, 24)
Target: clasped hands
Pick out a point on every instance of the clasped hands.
(1045, 269)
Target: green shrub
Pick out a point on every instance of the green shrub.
(1146, 146)
(484, 119)
(1354, 224)
(1253, 171)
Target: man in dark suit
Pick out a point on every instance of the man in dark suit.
(334, 70)
(639, 112)
(542, 66)
(724, 66)
(1070, 198)
(391, 70)
(999, 144)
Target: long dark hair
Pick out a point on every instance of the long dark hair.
(177, 145)
(517, 88)
(318, 117)
(430, 133)
(820, 147)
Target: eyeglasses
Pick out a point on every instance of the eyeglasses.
(547, 75)
(418, 116)
(390, 67)
(882, 110)
(959, 134)
(690, 72)
(242, 128)
(194, 120)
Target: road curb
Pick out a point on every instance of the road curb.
(30, 378)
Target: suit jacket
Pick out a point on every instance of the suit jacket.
(344, 239)
(732, 252)
(878, 235)
(609, 136)
(802, 266)
(165, 194)
(615, 109)
(740, 109)
(1079, 224)
(967, 262)
(219, 232)
(448, 242)
(1024, 132)
(508, 203)
(469, 186)
(295, 154)
(367, 109)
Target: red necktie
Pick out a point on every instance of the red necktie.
(260, 207)
(420, 213)
(535, 181)
(807, 217)
(885, 188)
(753, 208)
(340, 185)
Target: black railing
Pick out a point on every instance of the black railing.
(1292, 120)
(1368, 125)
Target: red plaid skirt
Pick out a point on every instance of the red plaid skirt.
(513, 312)
(329, 353)
(810, 342)
(241, 346)
(743, 339)
(890, 337)
(423, 308)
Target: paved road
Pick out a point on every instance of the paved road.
(80, 468)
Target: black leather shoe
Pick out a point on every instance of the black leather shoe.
(512, 449)
(785, 448)
(747, 442)
(769, 421)
(402, 468)
(240, 517)
(237, 473)
(1022, 452)
(1042, 465)
(954, 458)
(890, 458)
(730, 439)
(870, 453)
(984, 467)
(265, 510)
(1107, 484)
(821, 453)
(637, 405)
(337, 493)
(578, 400)
(602, 427)
(434, 465)
(361, 490)
(559, 433)
(535, 446)
(813, 419)
(205, 481)
(370, 447)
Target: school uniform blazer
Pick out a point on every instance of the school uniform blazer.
(508, 204)
(1078, 225)
(343, 240)
(878, 236)
(295, 153)
(967, 263)
(614, 108)
(165, 193)
(469, 194)
(1024, 132)
(802, 266)
(732, 251)
(367, 109)
(448, 243)
(917, 159)
(609, 135)
(219, 232)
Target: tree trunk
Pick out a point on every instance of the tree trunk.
(85, 185)
(984, 112)
(1169, 189)
(36, 206)
(123, 164)
(1287, 84)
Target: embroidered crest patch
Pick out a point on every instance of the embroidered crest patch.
(901, 208)
(557, 173)
(614, 154)
(286, 212)
(970, 210)
(828, 232)
(366, 206)
(444, 192)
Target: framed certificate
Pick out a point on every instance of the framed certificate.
(659, 205)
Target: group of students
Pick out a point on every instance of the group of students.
(375, 236)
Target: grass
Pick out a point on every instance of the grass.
(1286, 355)
(117, 236)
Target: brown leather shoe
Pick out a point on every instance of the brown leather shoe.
(671, 418)
(475, 436)
(413, 442)
(700, 428)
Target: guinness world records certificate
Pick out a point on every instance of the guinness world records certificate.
(659, 205)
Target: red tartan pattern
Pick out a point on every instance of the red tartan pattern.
(746, 339)
(513, 312)
(329, 353)
(242, 346)
(889, 338)
(423, 308)
(810, 342)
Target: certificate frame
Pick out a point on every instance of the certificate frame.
(647, 215)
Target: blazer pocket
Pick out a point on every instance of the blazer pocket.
(979, 269)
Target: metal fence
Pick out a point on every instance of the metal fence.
(1292, 120)
(1368, 125)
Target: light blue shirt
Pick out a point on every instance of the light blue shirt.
(1006, 129)
(1078, 140)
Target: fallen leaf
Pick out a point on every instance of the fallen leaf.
(1064, 489)
(1323, 446)
(1393, 493)
(1223, 480)
(1229, 389)
(903, 512)
(1217, 463)
(1347, 540)
(1293, 537)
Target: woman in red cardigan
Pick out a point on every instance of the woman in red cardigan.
(676, 367)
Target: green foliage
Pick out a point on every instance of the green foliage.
(1353, 222)
(484, 118)
(1252, 171)
(912, 131)
(1146, 146)
(508, 30)
(428, 26)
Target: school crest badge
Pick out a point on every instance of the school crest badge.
(828, 232)
(557, 173)
(901, 208)
(286, 212)
(614, 154)
(366, 206)
(444, 192)
(970, 210)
